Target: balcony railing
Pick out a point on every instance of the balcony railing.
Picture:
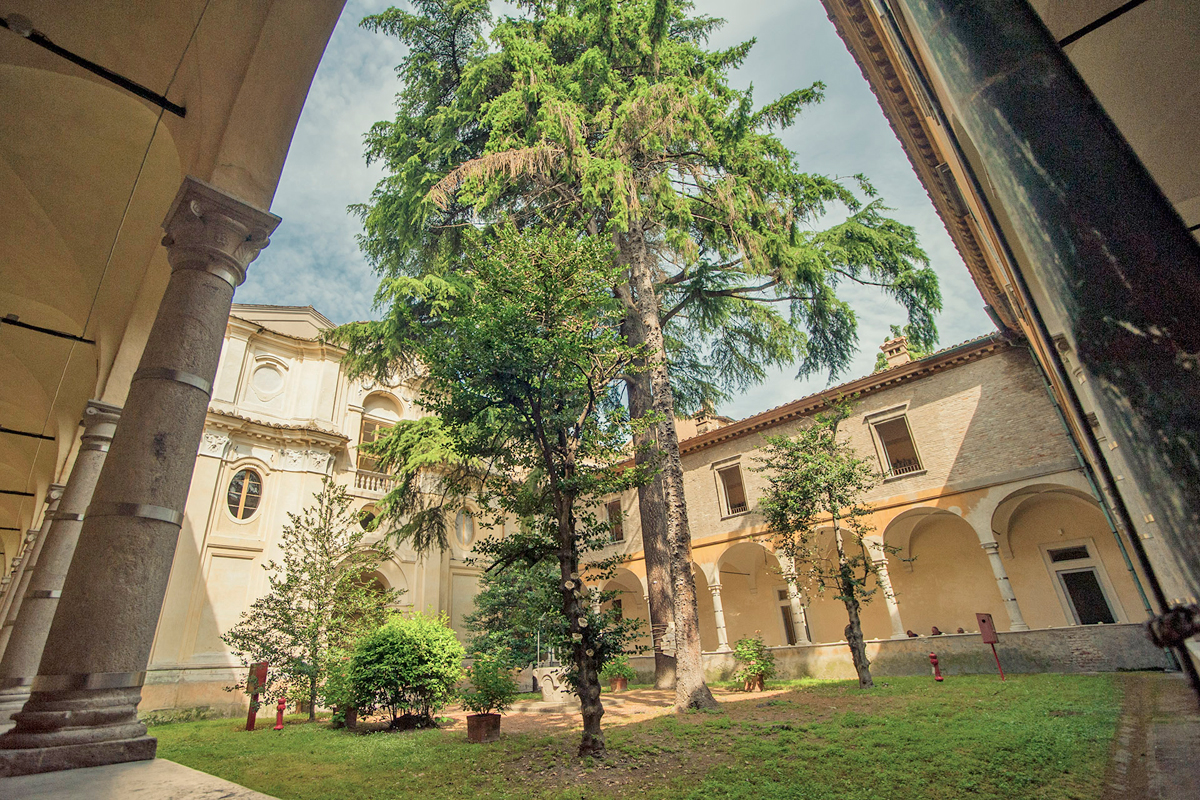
(903, 468)
(374, 481)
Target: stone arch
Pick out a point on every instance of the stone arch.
(1010, 508)
(383, 406)
(632, 597)
(948, 578)
(704, 608)
(751, 582)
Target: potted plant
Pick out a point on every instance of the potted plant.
(492, 691)
(757, 663)
(618, 673)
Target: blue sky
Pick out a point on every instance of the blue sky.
(314, 259)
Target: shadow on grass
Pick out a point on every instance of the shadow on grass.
(1044, 736)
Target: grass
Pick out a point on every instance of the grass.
(1035, 736)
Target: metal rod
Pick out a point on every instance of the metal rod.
(15, 492)
(41, 40)
(15, 432)
(14, 320)
(1099, 23)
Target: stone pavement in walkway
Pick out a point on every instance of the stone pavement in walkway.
(141, 780)
(1155, 751)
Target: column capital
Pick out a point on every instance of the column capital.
(990, 547)
(211, 231)
(99, 421)
(54, 492)
(714, 588)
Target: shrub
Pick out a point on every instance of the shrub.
(409, 666)
(756, 660)
(492, 686)
(617, 667)
(337, 691)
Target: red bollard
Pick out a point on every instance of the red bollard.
(937, 672)
(283, 705)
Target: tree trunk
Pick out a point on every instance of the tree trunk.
(854, 635)
(690, 689)
(312, 698)
(652, 512)
(586, 664)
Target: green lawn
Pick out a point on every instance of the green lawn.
(1035, 736)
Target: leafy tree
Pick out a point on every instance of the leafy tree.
(517, 609)
(493, 688)
(409, 666)
(757, 662)
(914, 350)
(520, 350)
(318, 603)
(816, 490)
(613, 117)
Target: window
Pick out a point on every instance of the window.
(735, 492)
(366, 516)
(614, 520)
(245, 490)
(899, 453)
(619, 607)
(789, 623)
(1080, 584)
(464, 528)
(369, 432)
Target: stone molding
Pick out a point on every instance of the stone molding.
(209, 230)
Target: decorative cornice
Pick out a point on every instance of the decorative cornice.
(274, 431)
(858, 29)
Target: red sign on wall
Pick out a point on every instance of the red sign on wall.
(987, 628)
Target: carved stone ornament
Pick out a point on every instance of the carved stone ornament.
(291, 459)
(213, 444)
(318, 461)
(211, 231)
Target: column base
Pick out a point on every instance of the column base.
(11, 702)
(74, 756)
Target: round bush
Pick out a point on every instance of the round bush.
(409, 666)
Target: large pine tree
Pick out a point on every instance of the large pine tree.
(612, 116)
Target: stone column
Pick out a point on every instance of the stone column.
(1016, 621)
(799, 616)
(889, 597)
(24, 653)
(83, 707)
(34, 541)
(719, 614)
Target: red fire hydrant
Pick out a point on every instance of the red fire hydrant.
(937, 672)
(283, 704)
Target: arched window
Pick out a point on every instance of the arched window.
(380, 412)
(464, 528)
(245, 491)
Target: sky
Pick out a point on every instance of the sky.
(314, 258)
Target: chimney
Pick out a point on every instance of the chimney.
(896, 351)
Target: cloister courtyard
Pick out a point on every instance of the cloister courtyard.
(1031, 736)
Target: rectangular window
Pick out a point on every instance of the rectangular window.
(1087, 598)
(614, 519)
(899, 452)
(735, 492)
(369, 432)
(1068, 553)
(789, 623)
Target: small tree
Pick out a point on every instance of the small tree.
(817, 484)
(517, 609)
(757, 662)
(492, 686)
(317, 601)
(408, 666)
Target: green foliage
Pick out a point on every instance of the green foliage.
(915, 350)
(337, 691)
(614, 117)
(517, 608)
(617, 667)
(317, 603)
(813, 506)
(493, 688)
(409, 666)
(755, 659)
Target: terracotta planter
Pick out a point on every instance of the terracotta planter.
(618, 684)
(755, 684)
(483, 728)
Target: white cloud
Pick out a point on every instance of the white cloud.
(314, 259)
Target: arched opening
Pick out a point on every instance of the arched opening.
(945, 578)
(380, 412)
(630, 603)
(754, 595)
(1062, 559)
(704, 608)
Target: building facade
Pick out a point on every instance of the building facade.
(283, 417)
